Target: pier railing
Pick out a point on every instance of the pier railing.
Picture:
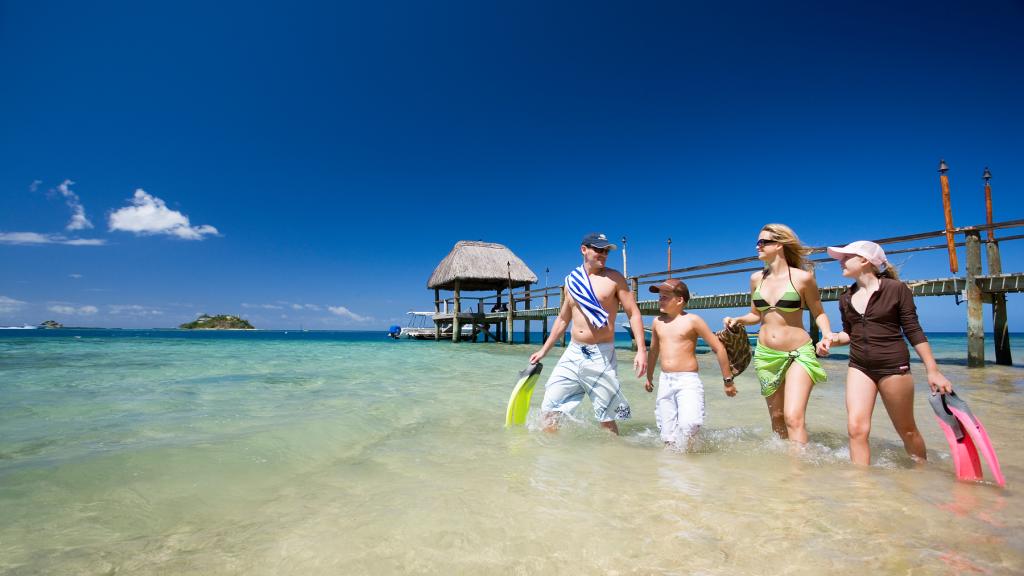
(975, 288)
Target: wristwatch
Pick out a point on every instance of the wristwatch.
(727, 380)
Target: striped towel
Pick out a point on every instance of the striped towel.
(578, 284)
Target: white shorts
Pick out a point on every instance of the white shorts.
(586, 369)
(679, 409)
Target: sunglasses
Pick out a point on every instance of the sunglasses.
(762, 242)
(604, 250)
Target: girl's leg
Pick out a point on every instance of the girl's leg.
(776, 413)
(798, 392)
(860, 404)
(898, 396)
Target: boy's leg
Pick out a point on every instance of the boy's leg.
(690, 403)
(666, 412)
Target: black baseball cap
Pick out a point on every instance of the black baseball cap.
(596, 240)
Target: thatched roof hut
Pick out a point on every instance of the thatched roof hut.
(477, 266)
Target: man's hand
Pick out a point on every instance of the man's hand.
(640, 363)
(649, 386)
(536, 356)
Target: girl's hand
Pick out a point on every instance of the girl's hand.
(729, 323)
(939, 383)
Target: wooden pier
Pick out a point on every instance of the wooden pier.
(496, 319)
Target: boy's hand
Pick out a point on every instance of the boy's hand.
(730, 390)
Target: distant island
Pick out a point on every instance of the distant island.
(219, 322)
(51, 324)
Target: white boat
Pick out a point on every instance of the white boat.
(421, 327)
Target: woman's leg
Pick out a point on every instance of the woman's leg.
(798, 392)
(898, 396)
(860, 404)
(775, 411)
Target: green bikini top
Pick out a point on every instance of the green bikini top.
(789, 301)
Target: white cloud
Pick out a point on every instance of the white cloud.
(306, 307)
(27, 238)
(34, 186)
(72, 311)
(262, 306)
(8, 305)
(78, 219)
(346, 313)
(150, 215)
(76, 276)
(133, 310)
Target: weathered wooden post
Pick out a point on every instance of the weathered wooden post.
(561, 301)
(975, 323)
(634, 286)
(437, 310)
(456, 329)
(510, 316)
(669, 257)
(954, 266)
(526, 322)
(813, 330)
(1000, 328)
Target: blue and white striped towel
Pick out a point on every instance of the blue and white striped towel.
(578, 284)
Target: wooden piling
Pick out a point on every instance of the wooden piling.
(526, 323)
(975, 323)
(634, 287)
(561, 298)
(456, 329)
(954, 266)
(544, 326)
(813, 329)
(437, 309)
(1000, 326)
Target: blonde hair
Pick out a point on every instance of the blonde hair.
(889, 272)
(794, 252)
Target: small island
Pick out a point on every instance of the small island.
(219, 322)
(51, 324)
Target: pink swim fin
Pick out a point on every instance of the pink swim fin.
(976, 431)
(965, 454)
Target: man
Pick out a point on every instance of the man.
(593, 294)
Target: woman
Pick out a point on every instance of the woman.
(880, 308)
(784, 357)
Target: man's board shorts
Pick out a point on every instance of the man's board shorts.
(586, 369)
(679, 409)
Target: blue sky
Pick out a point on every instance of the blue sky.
(310, 163)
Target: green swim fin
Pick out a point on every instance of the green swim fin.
(519, 401)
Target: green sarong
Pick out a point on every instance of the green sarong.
(771, 366)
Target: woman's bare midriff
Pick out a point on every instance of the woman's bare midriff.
(783, 331)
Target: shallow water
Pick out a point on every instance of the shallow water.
(309, 453)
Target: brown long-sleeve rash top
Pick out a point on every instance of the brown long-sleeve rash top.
(876, 337)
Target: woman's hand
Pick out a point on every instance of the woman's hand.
(825, 344)
(939, 383)
(729, 322)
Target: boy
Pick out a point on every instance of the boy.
(679, 409)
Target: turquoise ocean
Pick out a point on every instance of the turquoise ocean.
(173, 452)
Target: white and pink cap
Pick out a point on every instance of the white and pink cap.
(868, 250)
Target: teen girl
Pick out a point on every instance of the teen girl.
(878, 313)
